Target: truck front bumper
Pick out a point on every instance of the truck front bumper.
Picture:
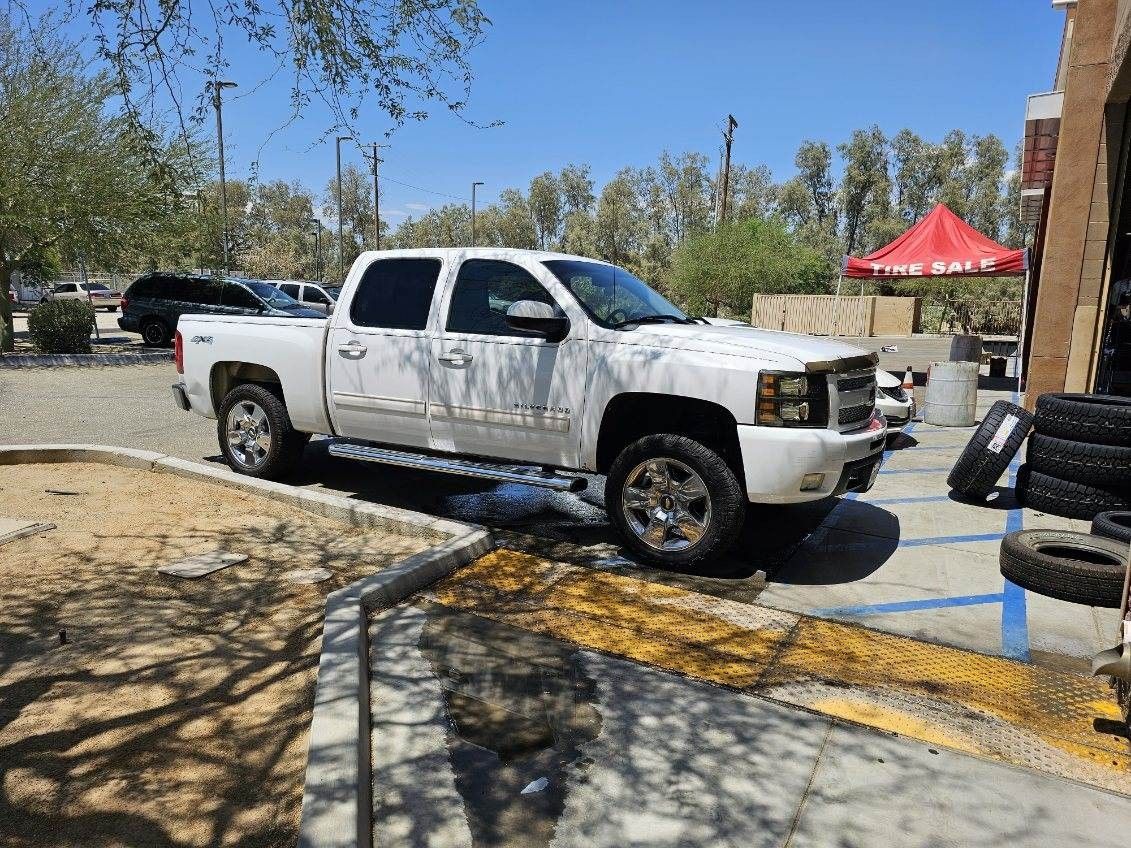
(776, 461)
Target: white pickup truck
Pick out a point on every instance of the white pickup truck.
(485, 362)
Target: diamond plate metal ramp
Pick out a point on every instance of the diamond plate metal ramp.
(1036, 718)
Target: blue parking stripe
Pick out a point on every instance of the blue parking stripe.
(908, 500)
(1014, 609)
(913, 470)
(949, 540)
(911, 606)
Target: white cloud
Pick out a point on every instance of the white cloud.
(418, 207)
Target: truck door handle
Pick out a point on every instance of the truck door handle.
(456, 357)
(352, 349)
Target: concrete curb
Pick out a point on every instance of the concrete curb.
(337, 797)
(337, 803)
(50, 360)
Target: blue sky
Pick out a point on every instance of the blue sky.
(614, 83)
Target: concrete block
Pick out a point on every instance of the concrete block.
(201, 565)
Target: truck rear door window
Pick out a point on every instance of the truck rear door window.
(395, 294)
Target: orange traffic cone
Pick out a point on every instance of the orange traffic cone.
(909, 380)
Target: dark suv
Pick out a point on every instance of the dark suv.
(154, 303)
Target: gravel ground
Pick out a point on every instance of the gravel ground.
(177, 713)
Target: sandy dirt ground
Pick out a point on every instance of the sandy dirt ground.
(176, 714)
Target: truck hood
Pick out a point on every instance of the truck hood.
(743, 340)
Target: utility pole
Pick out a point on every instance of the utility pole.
(217, 85)
(728, 136)
(376, 199)
(473, 187)
(341, 239)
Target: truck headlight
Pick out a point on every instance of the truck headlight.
(792, 400)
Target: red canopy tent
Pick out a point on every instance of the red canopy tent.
(939, 245)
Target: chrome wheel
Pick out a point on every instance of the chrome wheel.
(249, 433)
(666, 504)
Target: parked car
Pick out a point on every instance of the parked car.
(470, 360)
(317, 296)
(155, 302)
(895, 402)
(99, 295)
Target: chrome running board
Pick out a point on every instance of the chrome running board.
(463, 467)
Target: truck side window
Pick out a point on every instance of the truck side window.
(289, 288)
(484, 290)
(395, 294)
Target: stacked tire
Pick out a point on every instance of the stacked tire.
(1078, 461)
(990, 450)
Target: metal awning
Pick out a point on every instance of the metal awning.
(1042, 130)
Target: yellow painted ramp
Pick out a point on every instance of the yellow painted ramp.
(1021, 714)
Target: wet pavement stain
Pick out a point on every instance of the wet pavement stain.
(520, 710)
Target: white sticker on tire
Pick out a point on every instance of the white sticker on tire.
(1002, 434)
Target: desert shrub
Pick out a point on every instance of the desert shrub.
(61, 326)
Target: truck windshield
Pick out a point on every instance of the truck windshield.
(611, 295)
(271, 295)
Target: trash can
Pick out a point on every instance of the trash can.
(966, 349)
(952, 394)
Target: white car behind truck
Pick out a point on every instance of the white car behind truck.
(472, 361)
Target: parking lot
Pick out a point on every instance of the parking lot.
(904, 559)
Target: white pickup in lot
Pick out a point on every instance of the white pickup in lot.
(477, 360)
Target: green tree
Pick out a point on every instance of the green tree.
(865, 189)
(546, 209)
(76, 181)
(577, 189)
(619, 230)
(727, 267)
(916, 175)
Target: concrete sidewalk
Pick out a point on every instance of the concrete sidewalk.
(489, 735)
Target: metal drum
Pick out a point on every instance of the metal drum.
(952, 394)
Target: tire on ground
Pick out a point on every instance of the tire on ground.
(728, 500)
(287, 444)
(154, 332)
(1080, 462)
(1066, 564)
(990, 450)
(1113, 525)
(1065, 498)
(1097, 419)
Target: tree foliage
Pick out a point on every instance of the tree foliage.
(77, 180)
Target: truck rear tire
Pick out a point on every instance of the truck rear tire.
(255, 433)
(675, 501)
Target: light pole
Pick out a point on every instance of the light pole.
(473, 187)
(317, 246)
(341, 239)
(216, 86)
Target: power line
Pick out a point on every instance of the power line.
(421, 188)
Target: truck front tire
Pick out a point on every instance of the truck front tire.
(255, 433)
(675, 501)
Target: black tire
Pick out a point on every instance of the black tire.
(111, 309)
(155, 332)
(1096, 419)
(1113, 525)
(286, 443)
(727, 499)
(1067, 565)
(1080, 462)
(980, 465)
(1045, 493)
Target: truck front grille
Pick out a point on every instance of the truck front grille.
(855, 414)
(855, 398)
